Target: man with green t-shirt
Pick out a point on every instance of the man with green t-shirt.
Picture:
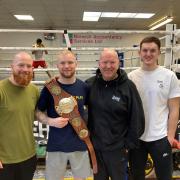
(18, 100)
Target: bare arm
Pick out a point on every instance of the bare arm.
(33, 51)
(1, 166)
(173, 105)
(58, 122)
(46, 52)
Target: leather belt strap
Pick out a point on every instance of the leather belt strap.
(66, 106)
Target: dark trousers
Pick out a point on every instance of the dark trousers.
(161, 154)
(19, 171)
(111, 164)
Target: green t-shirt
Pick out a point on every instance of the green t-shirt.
(17, 112)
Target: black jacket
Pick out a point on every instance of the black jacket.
(116, 117)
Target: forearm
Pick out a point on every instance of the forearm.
(173, 105)
(172, 126)
(42, 117)
(172, 123)
(58, 122)
(1, 166)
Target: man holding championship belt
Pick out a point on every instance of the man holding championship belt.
(63, 99)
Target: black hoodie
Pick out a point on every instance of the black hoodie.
(116, 117)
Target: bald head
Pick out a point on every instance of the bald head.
(109, 64)
(107, 52)
(22, 56)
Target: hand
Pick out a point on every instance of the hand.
(58, 122)
(176, 144)
(170, 139)
(1, 166)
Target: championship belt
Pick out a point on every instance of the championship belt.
(66, 106)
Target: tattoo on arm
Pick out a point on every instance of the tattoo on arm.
(42, 117)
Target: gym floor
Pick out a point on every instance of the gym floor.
(40, 175)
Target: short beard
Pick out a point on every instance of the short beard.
(67, 76)
(22, 79)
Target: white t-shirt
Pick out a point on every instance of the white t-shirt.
(155, 88)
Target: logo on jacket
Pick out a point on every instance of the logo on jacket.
(115, 98)
(165, 154)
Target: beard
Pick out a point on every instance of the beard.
(22, 78)
(67, 75)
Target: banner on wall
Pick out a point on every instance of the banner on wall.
(92, 38)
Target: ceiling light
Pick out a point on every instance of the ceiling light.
(98, 0)
(135, 15)
(144, 15)
(24, 17)
(161, 22)
(91, 16)
(109, 14)
(126, 15)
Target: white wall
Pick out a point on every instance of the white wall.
(27, 39)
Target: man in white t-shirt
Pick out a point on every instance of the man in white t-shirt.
(160, 92)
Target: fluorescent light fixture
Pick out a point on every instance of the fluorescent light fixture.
(24, 17)
(109, 14)
(144, 15)
(91, 16)
(127, 15)
(94, 16)
(161, 22)
(135, 15)
(97, 0)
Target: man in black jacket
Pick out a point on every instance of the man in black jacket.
(116, 117)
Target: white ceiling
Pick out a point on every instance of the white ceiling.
(67, 14)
